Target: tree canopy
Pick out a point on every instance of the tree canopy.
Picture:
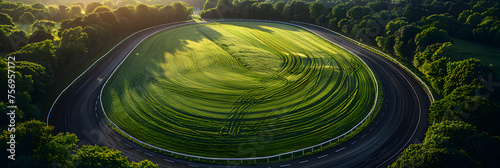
(430, 36)
(5, 19)
(92, 6)
(27, 18)
(37, 146)
(358, 12)
(451, 143)
(101, 9)
(419, 32)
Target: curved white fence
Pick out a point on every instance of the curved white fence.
(303, 150)
(429, 92)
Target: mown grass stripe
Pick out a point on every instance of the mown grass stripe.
(238, 90)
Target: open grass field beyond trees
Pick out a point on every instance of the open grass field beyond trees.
(487, 54)
(238, 89)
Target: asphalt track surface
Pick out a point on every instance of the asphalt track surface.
(401, 121)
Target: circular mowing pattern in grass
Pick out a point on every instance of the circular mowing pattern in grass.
(238, 89)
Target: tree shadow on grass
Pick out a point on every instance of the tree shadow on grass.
(262, 26)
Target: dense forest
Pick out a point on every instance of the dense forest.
(60, 38)
(48, 52)
(113, 4)
(463, 131)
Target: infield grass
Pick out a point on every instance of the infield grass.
(238, 89)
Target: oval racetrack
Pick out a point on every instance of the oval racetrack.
(401, 121)
(238, 90)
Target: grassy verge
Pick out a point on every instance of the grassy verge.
(238, 89)
(487, 54)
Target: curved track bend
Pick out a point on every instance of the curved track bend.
(401, 121)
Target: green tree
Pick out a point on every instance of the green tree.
(479, 34)
(462, 73)
(72, 46)
(3, 90)
(451, 144)
(61, 14)
(143, 15)
(345, 25)
(43, 79)
(316, 9)
(90, 19)
(70, 53)
(454, 105)
(91, 6)
(76, 11)
(440, 21)
(108, 17)
(24, 86)
(474, 19)
(30, 135)
(36, 146)
(103, 157)
(101, 9)
(413, 13)
(40, 35)
(126, 2)
(436, 72)
(299, 11)
(462, 18)
(6, 19)
(27, 111)
(182, 10)
(108, 3)
(339, 11)
(38, 6)
(394, 25)
(358, 12)
(287, 13)
(23, 161)
(58, 150)
(27, 18)
(378, 6)
(39, 52)
(465, 137)
(386, 43)
(4, 118)
(123, 12)
(143, 164)
(433, 63)
(405, 46)
(15, 40)
(430, 36)
(419, 155)
(209, 4)
(265, 11)
(44, 25)
(78, 3)
(464, 105)
(279, 7)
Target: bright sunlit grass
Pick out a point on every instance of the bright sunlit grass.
(238, 89)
